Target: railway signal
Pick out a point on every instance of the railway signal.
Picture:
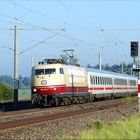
(134, 49)
(134, 54)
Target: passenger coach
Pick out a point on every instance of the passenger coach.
(109, 84)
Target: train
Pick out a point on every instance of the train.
(55, 83)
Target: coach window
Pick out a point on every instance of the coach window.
(96, 81)
(39, 71)
(50, 71)
(91, 80)
(101, 80)
(107, 81)
(61, 71)
(110, 81)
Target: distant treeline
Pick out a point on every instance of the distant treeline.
(24, 82)
(118, 68)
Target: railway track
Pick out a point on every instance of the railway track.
(61, 115)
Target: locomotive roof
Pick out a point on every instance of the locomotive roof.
(109, 73)
(47, 65)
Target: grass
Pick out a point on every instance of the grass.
(127, 100)
(23, 94)
(125, 129)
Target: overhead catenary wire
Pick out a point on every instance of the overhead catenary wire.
(24, 14)
(31, 10)
(79, 40)
(116, 70)
(42, 28)
(90, 45)
(73, 12)
(39, 43)
(67, 8)
(113, 37)
(91, 24)
(123, 29)
(48, 17)
(11, 49)
(33, 25)
(16, 19)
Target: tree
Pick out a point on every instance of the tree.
(74, 60)
(7, 79)
(6, 92)
(26, 81)
(66, 59)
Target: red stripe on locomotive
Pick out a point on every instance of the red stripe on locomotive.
(58, 89)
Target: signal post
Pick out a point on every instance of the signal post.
(136, 68)
(138, 71)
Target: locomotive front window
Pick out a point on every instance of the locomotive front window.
(39, 72)
(50, 71)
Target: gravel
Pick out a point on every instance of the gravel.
(70, 126)
(49, 111)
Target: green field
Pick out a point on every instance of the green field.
(125, 129)
(24, 94)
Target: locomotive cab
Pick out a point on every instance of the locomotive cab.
(48, 79)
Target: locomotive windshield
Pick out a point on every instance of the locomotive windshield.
(39, 71)
(50, 71)
(45, 71)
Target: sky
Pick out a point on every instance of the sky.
(47, 27)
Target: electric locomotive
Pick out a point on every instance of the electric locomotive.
(53, 82)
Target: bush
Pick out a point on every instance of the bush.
(128, 100)
(98, 125)
(6, 92)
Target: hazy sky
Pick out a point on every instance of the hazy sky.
(91, 26)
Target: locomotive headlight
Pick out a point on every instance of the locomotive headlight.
(34, 90)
